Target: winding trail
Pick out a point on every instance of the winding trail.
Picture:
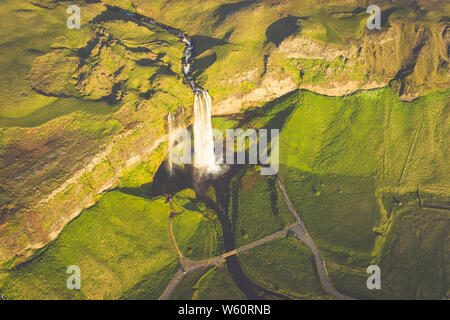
(188, 266)
(172, 236)
(298, 228)
(302, 234)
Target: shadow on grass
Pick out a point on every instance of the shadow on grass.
(273, 115)
(228, 9)
(385, 15)
(281, 29)
(203, 43)
(200, 65)
(61, 107)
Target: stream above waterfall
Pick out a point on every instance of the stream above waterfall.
(186, 60)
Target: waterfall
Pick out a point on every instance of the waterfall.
(204, 158)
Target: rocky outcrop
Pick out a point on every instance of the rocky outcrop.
(305, 48)
(99, 70)
(410, 58)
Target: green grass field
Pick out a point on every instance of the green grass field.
(257, 208)
(23, 43)
(213, 284)
(414, 260)
(342, 157)
(116, 244)
(196, 228)
(122, 247)
(412, 264)
(285, 266)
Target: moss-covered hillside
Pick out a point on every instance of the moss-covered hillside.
(364, 143)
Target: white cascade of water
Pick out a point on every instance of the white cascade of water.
(204, 157)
